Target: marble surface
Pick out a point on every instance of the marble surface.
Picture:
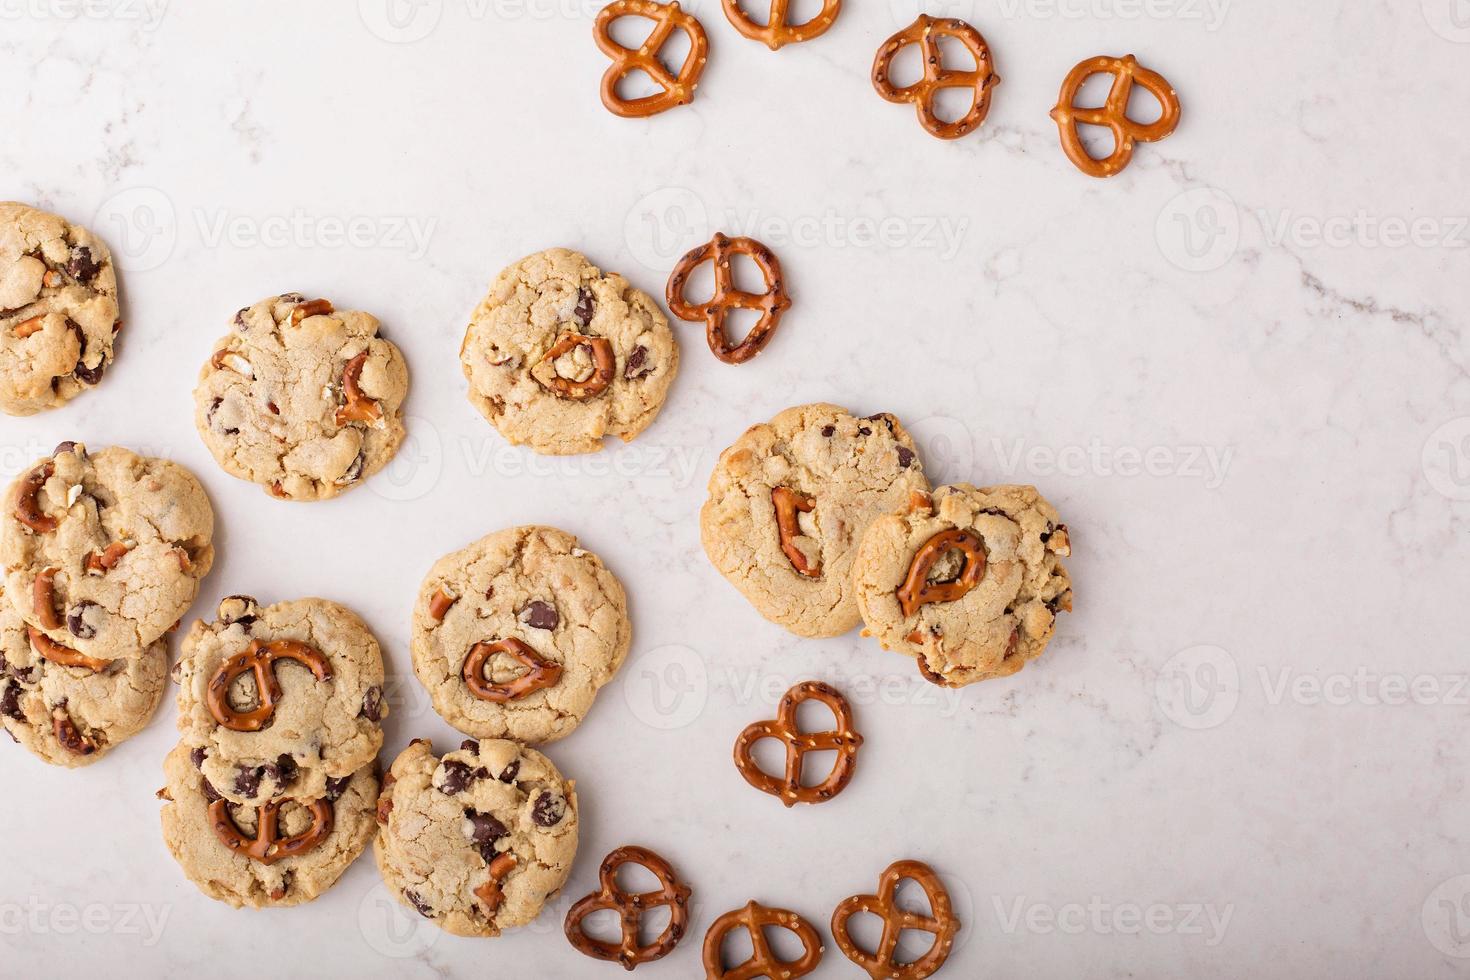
(1238, 369)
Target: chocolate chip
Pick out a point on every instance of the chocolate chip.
(540, 615)
(76, 620)
(548, 809)
(285, 770)
(829, 430)
(372, 704)
(197, 757)
(485, 830)
(470, 745)
(240, 323)
(583, 312)
(420, 904)
(336, 786)
(210, 793)
(905, 457)
(89, 376)
(863, 430)
(247, 780)
(457, 777)
(510, 772)
(637, 365)
(82, 265)
(10, 703)
(64, 447)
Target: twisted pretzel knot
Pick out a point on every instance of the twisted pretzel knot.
(772, 303)
(630, 909)
(603, 363)
(926, 31)
(268, 846)
(776, 32)
(1113, 113)
(917, 590)
(763, 962)
(678, 89)
(260, 658)
(941, 923)
(542, 672)
(843, 739)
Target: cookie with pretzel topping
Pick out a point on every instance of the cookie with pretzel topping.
(283, 853)
(58, 310)
(278, 700)
(560, 355)
(788, 502)
(74, 715)
(968, 581)
(479, 840)
(302, 398)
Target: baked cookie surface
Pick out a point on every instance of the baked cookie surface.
(103, 552)
(826, 475)
(58, 309)
(477, 841)
(968, 582)
(312, 729)
(222, 849)
(514, 635)
(559, 355)
(302, 399)
(72, 716)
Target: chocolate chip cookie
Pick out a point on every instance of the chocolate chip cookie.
(478, 841)
(301, 398)
(103, 552)
(969, 581)
(788, 502)
(280, 699)
(58, 310)
(559, 355)
(285, 853)
(514, 635)
(73, 715)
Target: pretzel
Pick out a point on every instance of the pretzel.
(102, 562)
(50, 650)
(43, 599)
(602, 371)
(260, 659)
(28, 506)
(67, 734)
(542, 673)
(678, 89)
(917, 590)
(941, 922)
(1113, 114)
(314, 307)
(267, 846)
(776, 32)
(788, 503)
(630, 909)
(492, 892)
(356, 405)
(772, 303)
(982, 78)
(763, 962)
(842, 738)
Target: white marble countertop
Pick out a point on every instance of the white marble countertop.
(1238, 369)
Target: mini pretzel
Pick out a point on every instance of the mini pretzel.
(772, 303)
(357, 406)
(542, 673)
(678, 89)
(763, 962)
(440, 603)
(843, 738)
(917, 590)
(50, 650)
(43, 599)
(631, 909)
(100, 563)
(787, 503)
(67, 733)
(260, 659)
(314, 307)
(926, 32)
(942, 923)
(492, 892)
(1113, 114)
(776, 32)
(28, 505)
(267, 846)
(602, 372)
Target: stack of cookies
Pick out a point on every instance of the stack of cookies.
(274, 780)
(102, 552)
